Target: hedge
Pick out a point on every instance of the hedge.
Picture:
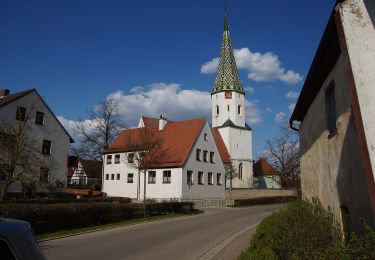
(264, 200)
(46, 218)
(305, 230)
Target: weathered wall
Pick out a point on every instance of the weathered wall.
(258, 193)
(331, 167)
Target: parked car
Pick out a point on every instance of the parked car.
(17, 241)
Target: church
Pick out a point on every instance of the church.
(193, 155)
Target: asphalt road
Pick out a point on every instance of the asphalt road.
(219, 233)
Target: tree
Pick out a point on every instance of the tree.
(283, 153)
(98, 132)
(230, 173)
(21, 160)
(147, 153)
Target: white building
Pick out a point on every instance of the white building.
(335, 116)
(228, 114)
(44, 128)
(190, 167)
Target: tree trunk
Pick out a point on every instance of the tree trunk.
(3, 191)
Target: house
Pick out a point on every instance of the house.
(85, 173)
(228, 114)
(265, 175)
(335, 115)
(190, 167)
(27, 108)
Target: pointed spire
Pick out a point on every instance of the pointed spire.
(227, 77)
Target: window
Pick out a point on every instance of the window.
(228, 108)
(218, 179)
(21, 113)
(240, 171)
(109, 159)
(39, 118)
(198, 155)
(210, 178)
(239, 110)
(46, 147)
(189, 178)
(117, 176)
(212, 157)
(43, 177)
(152, 177)
(130, 177)
(205, 136)
(330, 109)
(200, 178)
(166, 176)
(130, 157)
(205, 156)
(117, 158)
(217, 110)
(107, 176)
(6, 251)
(112, 176)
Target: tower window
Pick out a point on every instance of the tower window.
(330, 109)
(240, 171)
(228, 108)
(217, 109)
(239, 109)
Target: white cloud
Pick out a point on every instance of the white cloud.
(291, 107)
(210, 66)
(292, 94)
(280, 117)
(249, 89)
(260, 67)
(269, 110)
(171, 100)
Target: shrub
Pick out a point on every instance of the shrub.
(52, 217)
(305, 230)
(70, 198)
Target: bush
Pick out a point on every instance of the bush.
(70, 198)
(305, 230)
(52, 217)
(264, 200)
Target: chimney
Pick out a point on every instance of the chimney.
(162, 122)
(4, 92)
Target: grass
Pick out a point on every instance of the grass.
(76, 231)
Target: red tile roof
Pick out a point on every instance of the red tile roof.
(177, 140)
(220, 145)
(263, 167)
(149, 121)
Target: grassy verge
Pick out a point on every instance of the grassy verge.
(75, 231)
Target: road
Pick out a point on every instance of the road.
(219, 233)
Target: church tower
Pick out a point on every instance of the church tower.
(228, 113)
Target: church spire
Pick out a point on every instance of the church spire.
(227, 78)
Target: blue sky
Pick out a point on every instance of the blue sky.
(149, 55)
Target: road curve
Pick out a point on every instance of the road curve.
(219, 233)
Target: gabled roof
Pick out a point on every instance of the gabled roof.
(92, 168)
(263, 167)
(12, 97)
(224, 155)
(177, 140)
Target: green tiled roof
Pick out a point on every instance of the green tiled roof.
(227, 77)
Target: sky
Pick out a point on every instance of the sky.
(158, 57)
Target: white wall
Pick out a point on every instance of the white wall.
(239, 145)
(358, 18)
(51, 130)
(218, 99)
(198, 191)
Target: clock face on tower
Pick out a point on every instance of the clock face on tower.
(228, 95)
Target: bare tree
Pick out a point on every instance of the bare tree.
(283, 153)
(230, 173)
(21, 160)
(99, 130)
(146, 153)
